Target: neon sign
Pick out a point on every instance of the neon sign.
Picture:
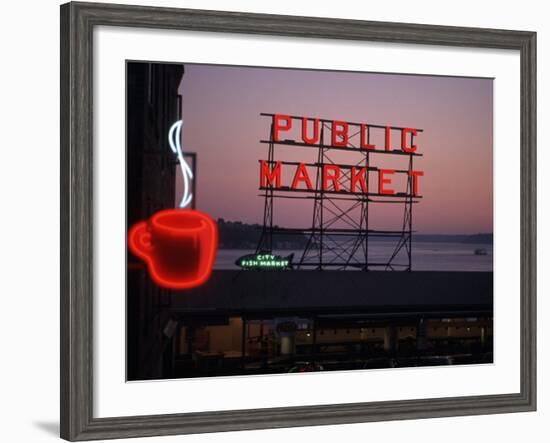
(178, 246)
(337, 178)
(174, 139)
(265, 261)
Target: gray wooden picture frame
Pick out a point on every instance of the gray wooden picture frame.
(77, 24)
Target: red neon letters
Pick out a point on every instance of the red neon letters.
(301, 176)
(404, 146)
(340, 133)
(388, 138)
(334, 178)
(270, 177)
(364, 138)
(281, 123)
(310, 140)
(415, 175)
(383, 180)
(331, 173)
(178, 246)
(359, 176)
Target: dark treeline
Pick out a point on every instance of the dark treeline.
(486, 239)
(238, 235)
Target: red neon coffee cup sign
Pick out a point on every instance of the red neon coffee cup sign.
(177, 245)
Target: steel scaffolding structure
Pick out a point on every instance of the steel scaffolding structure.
(339, 234)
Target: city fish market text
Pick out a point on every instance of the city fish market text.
(335, 178)
(265, 261)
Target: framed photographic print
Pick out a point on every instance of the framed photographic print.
(273, 221)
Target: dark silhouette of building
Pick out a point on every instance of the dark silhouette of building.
(254, 322)
(152, 106)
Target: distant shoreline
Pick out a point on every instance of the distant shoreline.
(486, 238)
(243, 236)
(459, 239)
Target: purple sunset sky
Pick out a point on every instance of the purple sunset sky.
(221, 123)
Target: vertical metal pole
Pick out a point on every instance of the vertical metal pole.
(312, 242)
(271, 157)
(321, 207)
(367, 159)
(410, 205)
(266, 237)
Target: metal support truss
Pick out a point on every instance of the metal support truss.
(340, 233)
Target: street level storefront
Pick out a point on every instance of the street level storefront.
(244, 322)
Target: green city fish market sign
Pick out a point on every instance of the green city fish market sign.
(265, 261)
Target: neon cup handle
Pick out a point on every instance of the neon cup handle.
(139, 240)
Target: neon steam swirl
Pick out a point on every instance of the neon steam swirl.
(174, 139)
